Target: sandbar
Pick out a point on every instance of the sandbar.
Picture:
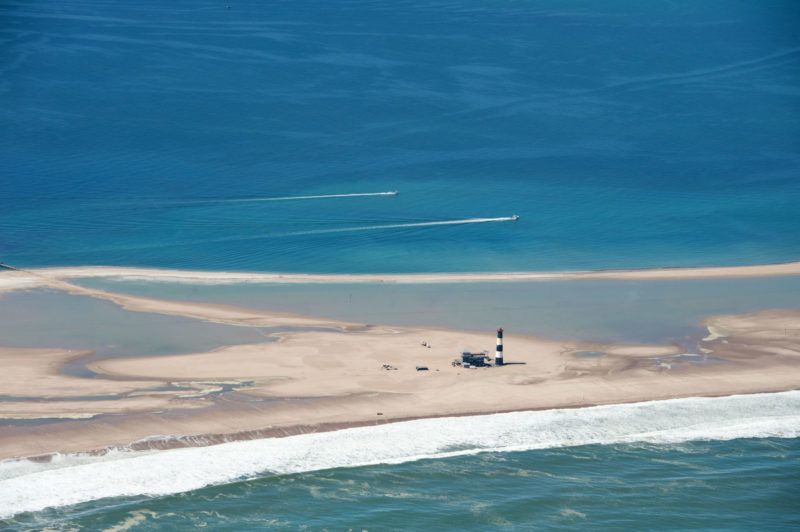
(12, 280)
(327, 379)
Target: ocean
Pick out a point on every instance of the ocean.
(746, 484)
(624, 134)
(725, 463)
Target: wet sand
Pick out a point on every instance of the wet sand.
(331, 374)
(33, 387)
(334, 376)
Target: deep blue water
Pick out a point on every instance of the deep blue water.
(625, 134)
(746, 484)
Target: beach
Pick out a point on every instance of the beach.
(323, 374)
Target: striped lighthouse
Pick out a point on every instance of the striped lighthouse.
(498, 354)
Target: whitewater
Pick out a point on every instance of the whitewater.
(27, 486)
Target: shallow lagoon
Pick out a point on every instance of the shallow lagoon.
(643, 311)
(47, 318)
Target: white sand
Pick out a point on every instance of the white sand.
(65, 273)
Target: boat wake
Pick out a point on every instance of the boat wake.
(313, 197)
(404, 225)
(310, 232)
(70, 479)
(216, 201)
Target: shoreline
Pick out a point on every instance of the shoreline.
(317, 381)
(27, 278)
(164, 470)
(184, 441)
(335, 376)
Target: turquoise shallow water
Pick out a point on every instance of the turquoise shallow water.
(626, 134)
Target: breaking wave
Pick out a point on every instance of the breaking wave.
(71, 479)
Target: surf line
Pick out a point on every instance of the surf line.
(405, 225)
(312, 197)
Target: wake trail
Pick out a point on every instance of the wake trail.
(212, 201)
(158, 203)
(311, 197)
(402, 226)
(264, 236)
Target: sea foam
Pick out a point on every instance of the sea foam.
(71, 479)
